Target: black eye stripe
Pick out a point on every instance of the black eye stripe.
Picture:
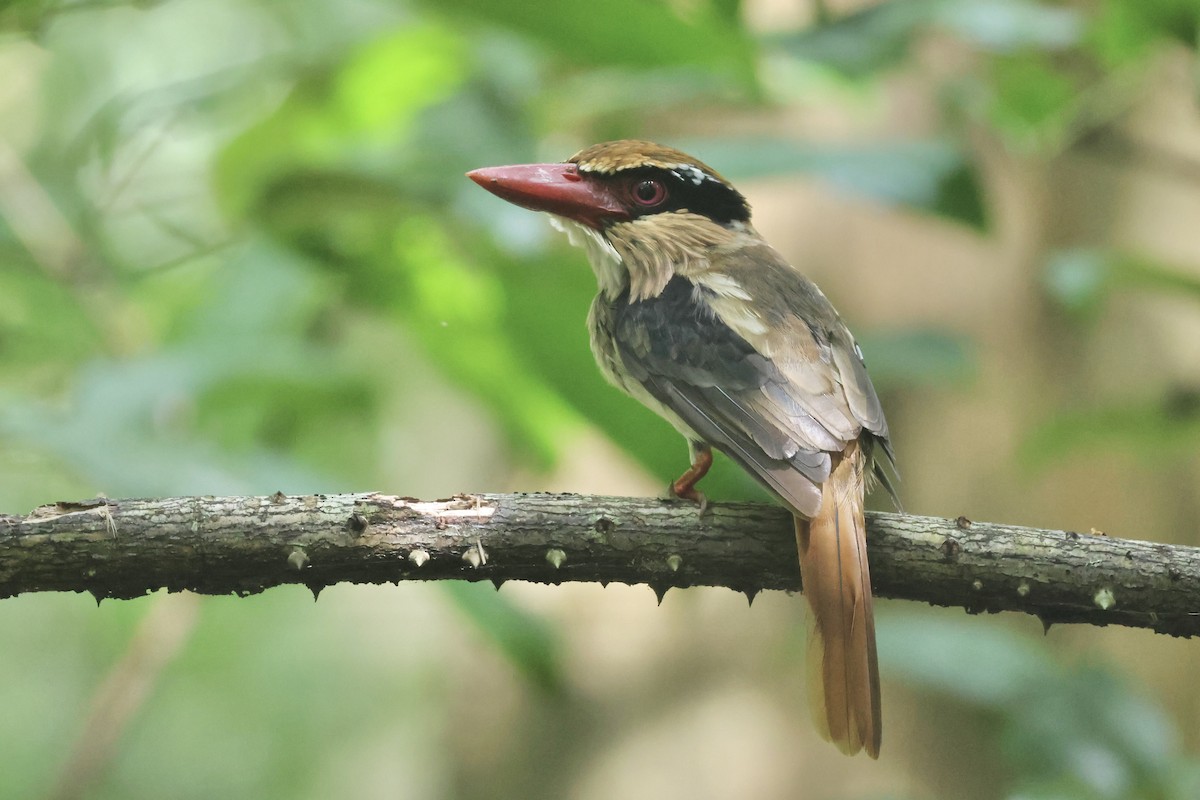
(687, 188)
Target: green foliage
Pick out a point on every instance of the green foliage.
(928, 176)
(345, 121)
(1035, 102)
(1066, 732)
(899, 359)
(879, 37)
(1124, 32)
(1082, 280)
(629, 33)
(25, 297)
(1158, 431)
(238, 254)
(529, 643)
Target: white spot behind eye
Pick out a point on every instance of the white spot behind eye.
(688, 172)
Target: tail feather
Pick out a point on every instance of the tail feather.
(843, 670)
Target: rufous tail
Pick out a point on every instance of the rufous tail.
(843, 671)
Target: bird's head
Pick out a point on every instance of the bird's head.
(643, 211)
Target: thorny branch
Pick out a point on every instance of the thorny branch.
(217, 545)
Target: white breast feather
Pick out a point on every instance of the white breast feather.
(605, 261)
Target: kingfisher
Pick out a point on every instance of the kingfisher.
(700, 319)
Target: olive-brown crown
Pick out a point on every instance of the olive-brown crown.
(662, 178)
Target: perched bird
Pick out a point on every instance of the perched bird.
(704, 322)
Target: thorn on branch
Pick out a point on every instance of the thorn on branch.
(951, 548)
(357, 523)
(475, 556)
(297, 559)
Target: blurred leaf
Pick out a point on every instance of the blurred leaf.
(1080, 280)
(1145, 273)
(1033, 100)
(1008, 25)
(259, 290)
(864, 42)
(616, 95)
(931, 176)
(728, 10)
(457, 312)
(128, 459)
(383, 85)
(986, 665)
(1126, 30)
(339, 120)
(1086, 726)
(1121, 32)
(385, 256)
(627, 32)
(960, 197)
(26, 16)
(1183, 780)
(525, 639)
(138, 424)
(879, 36)
(916, 357)
(1067, 732)
(1169, 427)
(41, 322)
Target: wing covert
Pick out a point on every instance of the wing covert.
(733, 396)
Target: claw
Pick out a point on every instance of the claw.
(689, 493)
(685, 487)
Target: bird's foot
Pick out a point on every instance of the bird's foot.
(686, 491)
(685, 486)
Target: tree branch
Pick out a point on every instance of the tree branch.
(217, 545)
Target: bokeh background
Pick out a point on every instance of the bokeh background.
(238, 255)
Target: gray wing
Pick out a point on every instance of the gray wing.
(780, 418)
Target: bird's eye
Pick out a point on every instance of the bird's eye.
(649, 192)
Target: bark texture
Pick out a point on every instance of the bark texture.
(243, 545)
